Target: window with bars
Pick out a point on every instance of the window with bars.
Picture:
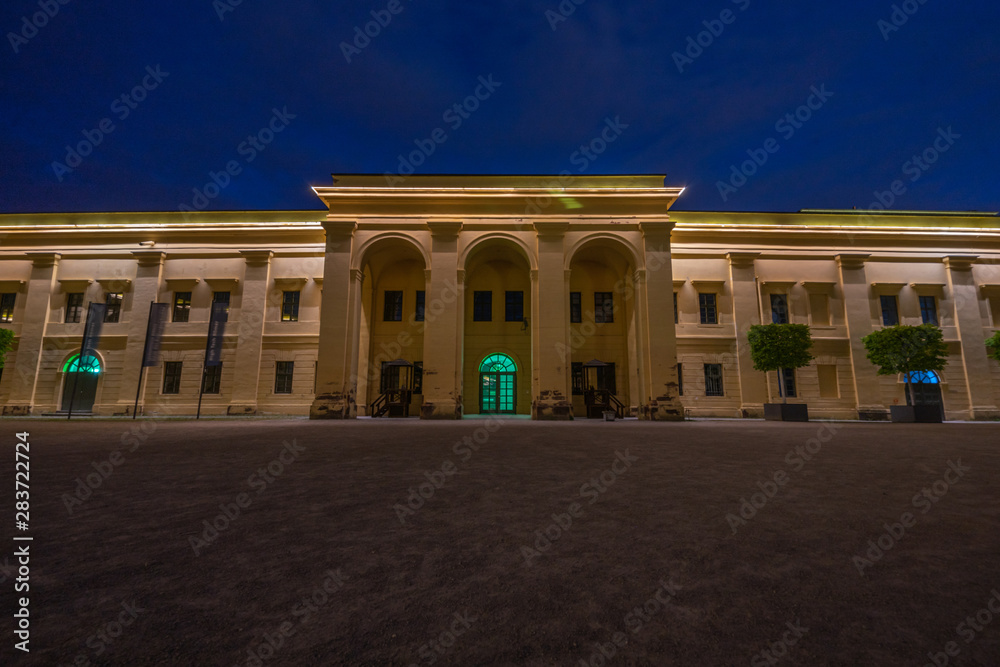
(707, 306)
(74, 308)
(577, 377)
(604, 307)
(928, 310)
(713, 380)
(890, 310)
(779, 309)
(680, 379)
(7, 302)
(418, 377)
(676, 313)
(419, 312)
(575, 307)
(482, 306)
(182, 306)
(514, 306)
(290, 306)
(172, 377)
(284, 371)
(211, 379)
(392, 310)
(789, 379)
(113, 300)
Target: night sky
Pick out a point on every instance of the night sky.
(160, 96)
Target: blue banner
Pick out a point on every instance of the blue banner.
(92, 330)
(158, 313)
(216, 332)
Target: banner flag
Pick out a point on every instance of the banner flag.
(154, 333)
(216, 332)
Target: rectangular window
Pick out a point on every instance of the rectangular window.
(713, 380)
(221, 297)
(211, 380)
(74, 307)
(575, 308)
(114, 303)
(419, 312)
(389, 378)
(7, 307)
(577, 375)
(928, 310)
(172, 377)
(604, 307)
(290, 306)
(890, 310)
(828, 385)
(779, 309)
(182, 306)
(819, 306)
(676, 315)
(789, 378)
(680, 379)
(418, 377)
(514, 306)
(995, 310)
(709, 311)
(283, 372)
(392, 311)
(482, 306)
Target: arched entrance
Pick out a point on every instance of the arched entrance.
(82, 376)
(926, 386)
(498, 385)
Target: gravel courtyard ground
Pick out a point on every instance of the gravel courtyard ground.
(289, 542)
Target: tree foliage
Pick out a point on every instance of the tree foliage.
(777, 346)
(905, 349)
(6, 342)
(994, 346)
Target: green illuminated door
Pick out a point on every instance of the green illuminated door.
(497, 384)
(83, 378)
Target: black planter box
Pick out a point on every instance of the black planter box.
(786, 412)
(920, 414)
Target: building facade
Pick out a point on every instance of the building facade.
(511, 294)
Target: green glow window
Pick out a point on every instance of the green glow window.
(497, 384)
(89, 365)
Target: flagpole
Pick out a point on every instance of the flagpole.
(142, 368)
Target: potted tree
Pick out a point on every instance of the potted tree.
(909, 349)
(775, 347)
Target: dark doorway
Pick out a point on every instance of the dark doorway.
(83, 377)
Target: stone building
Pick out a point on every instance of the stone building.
(459, 295)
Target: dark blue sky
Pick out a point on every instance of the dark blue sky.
(221, 80)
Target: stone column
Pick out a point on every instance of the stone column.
(968, 320)
(250, 340)
(443, 316)
(145, 290)
(746, 313)
(552, 398)
(28, 355)
(857, 309)
(339, 331)
(660, 338)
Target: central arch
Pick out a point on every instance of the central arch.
(80, 377)
(498, 385)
